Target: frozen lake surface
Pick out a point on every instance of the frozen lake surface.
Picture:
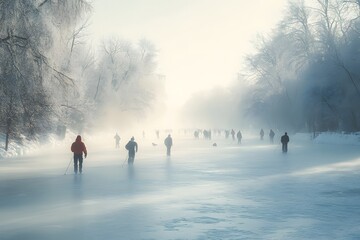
(247, 191)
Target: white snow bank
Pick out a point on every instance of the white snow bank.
(328, 138)
(301, 137)
(16, 148)
(338, 138)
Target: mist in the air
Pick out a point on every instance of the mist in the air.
(192, 119)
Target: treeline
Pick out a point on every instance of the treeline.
(52, 79)
(306, 74)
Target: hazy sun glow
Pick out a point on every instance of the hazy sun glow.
(201, 42)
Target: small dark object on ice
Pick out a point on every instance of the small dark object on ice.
(215, 145)
(154, 144)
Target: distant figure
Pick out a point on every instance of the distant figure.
(143, 133)
(196, 134)
(78, 148)
(284, 140)
(271, 135)
(154, 144)
(132, 147)
(227, 133)
(239, 136)
(205, 134)
(117, 140)
(261, 134)
(168, 143)
(157, 134)
(214, 145)
(233, 134)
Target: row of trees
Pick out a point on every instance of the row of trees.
(50, 78)
(306, 75)
(303, 76)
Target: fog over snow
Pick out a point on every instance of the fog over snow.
(211, 74)
(232, 191)
(200, 42)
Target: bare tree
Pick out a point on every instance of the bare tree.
(26, 39)
(310, 60)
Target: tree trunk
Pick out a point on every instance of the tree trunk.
(8, 123)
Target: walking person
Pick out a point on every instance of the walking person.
(168, 143)
(284, 140)
(132, 147)
(196, 134)
(157, 134)
(239, 136)
(227, 133)
(271, 135)
(117, 140)
(261, 134)
(233, 134)
(78, 148)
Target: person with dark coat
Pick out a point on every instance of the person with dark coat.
(271, 135)
(132, 147)
(168, 143)
(78, 148)
(284, 140)
(261, 134)
(239, 136)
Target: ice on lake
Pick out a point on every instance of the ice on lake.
(247, 191)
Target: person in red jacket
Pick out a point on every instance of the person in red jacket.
(78, 148)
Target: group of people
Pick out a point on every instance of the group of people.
(238, 135)
(131, 146)
(271, 135)
(207, 134)
(284, 139)
(79, 149)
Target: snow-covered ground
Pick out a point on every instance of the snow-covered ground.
(247, 191)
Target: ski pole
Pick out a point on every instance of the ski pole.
(123, 162)
(68, 166)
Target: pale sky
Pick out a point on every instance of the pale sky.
(201, 43)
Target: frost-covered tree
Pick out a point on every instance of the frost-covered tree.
(126, 82)
(28, 66)
(305, 75)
